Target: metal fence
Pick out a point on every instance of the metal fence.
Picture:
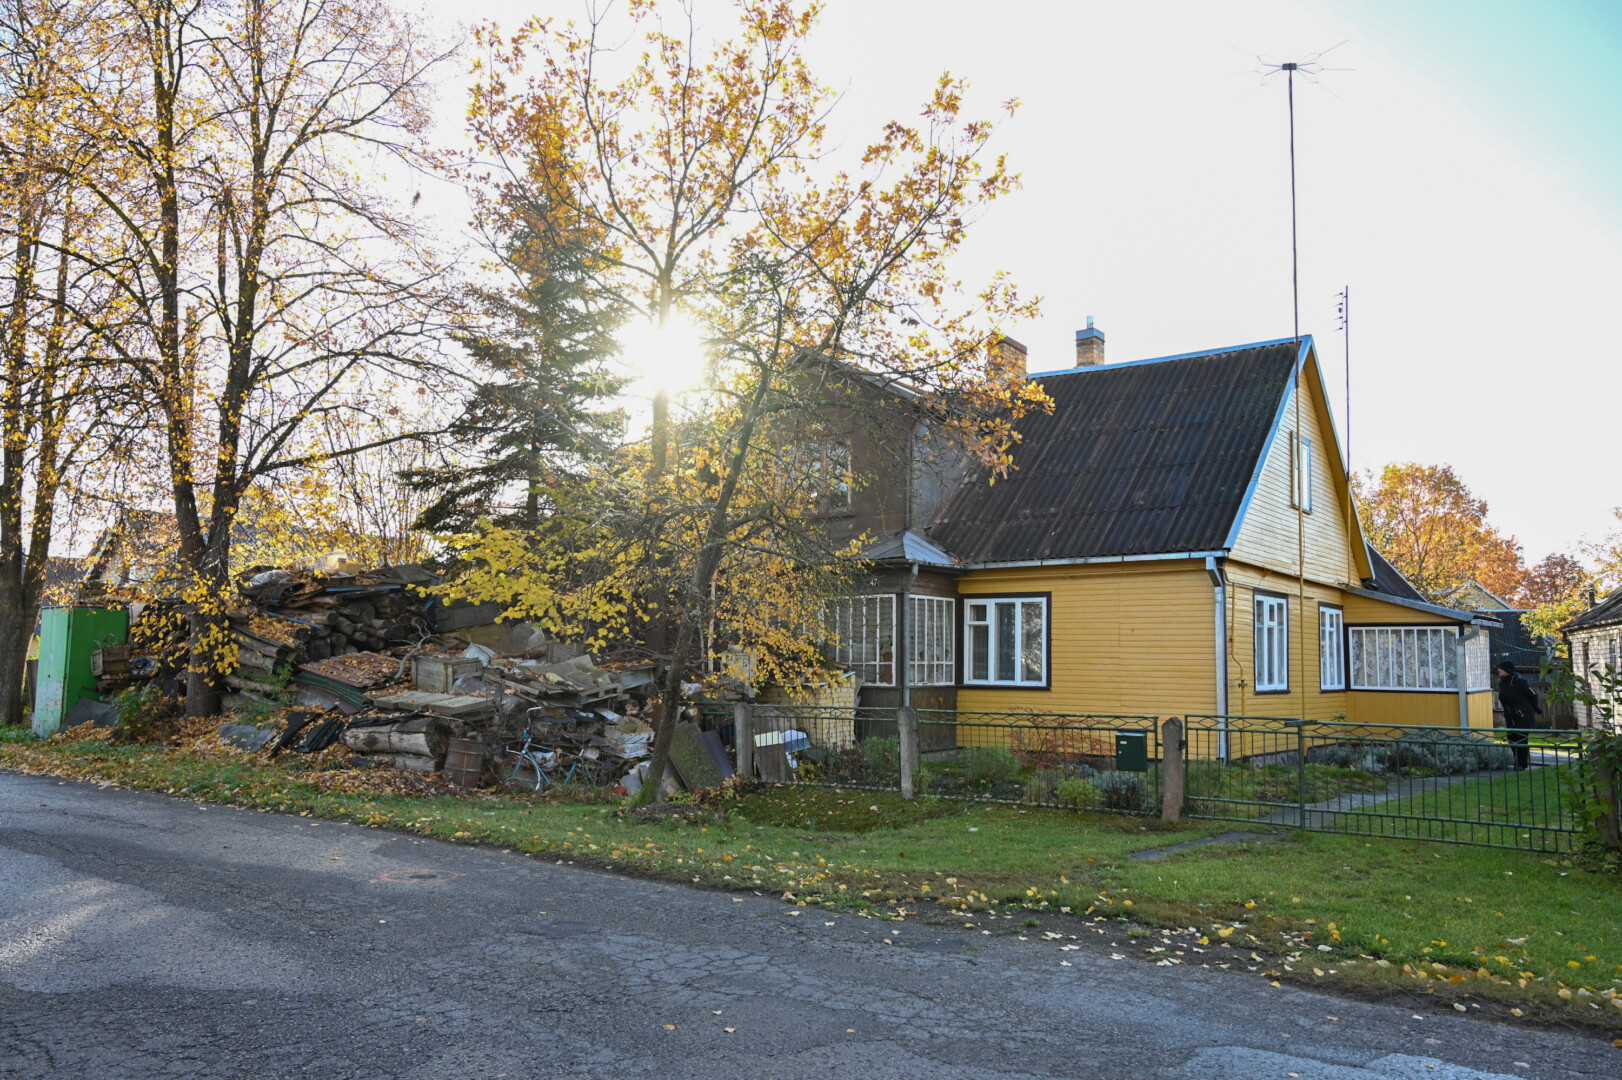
(1492, 788)
(1092, 761)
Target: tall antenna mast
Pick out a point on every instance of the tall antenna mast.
(1299, 459)
(1344, 310)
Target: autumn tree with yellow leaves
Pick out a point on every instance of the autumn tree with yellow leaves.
(698, 171)
(268, 283)
(63, 411)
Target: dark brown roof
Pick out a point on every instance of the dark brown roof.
(1607, 611)
(1144, 458)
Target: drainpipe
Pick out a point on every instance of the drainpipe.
(1219, 587)
(1464, 674)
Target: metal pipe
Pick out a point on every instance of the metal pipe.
(1219, 586)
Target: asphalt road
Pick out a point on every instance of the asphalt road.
(142, 936)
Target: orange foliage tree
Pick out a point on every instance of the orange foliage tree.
(1424, 519)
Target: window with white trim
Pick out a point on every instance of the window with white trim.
(1272, 649)
(1005, 641)
(864, 637)
(1404, 657)
(1301, 472)
(1331, 649)
(930, 632)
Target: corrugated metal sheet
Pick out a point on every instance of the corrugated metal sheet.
(1136, 459)
(1607, 611)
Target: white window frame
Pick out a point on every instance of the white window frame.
(1404, 657)
(862, 627)
(991, 607)
(931, 641)
(1301, 472)
(1271, 621)
(1331, 648)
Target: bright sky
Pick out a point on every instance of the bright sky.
(1464, 178)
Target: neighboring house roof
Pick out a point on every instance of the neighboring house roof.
(62, 578)
(1476, 597)
(1604, 613)
(1142, 458)
(1513, 641)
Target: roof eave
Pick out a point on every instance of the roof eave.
(1096, 560)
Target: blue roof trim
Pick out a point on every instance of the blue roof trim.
(1163, 359)
(1272, 437)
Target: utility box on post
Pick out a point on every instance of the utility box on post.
(67, 638)
(1131, 751)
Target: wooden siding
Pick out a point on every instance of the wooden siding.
(1126, 638)
(1368, 611)
(1420, 709)
(1305, 697)
(1267, 538)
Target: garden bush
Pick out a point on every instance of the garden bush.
(988, 766)
(1124, 791)
(1076, 793)
(883, 757)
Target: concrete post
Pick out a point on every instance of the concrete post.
(906, 724)
(1610, 799)
(743, 736)
(1171, 770)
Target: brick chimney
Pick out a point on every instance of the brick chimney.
(1009, 355)
(1089, 346)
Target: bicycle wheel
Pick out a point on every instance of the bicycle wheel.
(526, 770)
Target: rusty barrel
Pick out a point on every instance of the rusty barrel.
(464, 763)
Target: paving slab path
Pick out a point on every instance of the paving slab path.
(144, 936)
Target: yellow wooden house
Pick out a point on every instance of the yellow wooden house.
(1179, 538)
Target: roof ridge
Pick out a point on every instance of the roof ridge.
(1175, 356)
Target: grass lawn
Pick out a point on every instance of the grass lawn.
(1540, 934)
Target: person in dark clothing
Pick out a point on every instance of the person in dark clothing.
(1521, 709)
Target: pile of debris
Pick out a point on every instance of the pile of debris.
(400, 675)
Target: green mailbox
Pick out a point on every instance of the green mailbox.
(67, 637)
(1132, 751)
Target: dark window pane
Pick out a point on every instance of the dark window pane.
(980, 651)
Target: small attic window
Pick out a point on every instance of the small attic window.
(1301, 473)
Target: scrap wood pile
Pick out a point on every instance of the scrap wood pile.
(386, 674)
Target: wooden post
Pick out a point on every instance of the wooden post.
(1171, 770)
(743, 737)
(906, 725)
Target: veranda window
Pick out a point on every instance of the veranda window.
(930, 632)
(864, 637)
(1404, 657)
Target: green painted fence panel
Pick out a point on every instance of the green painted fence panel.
(67, 637)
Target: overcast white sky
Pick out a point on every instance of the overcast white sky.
(1464, 178)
